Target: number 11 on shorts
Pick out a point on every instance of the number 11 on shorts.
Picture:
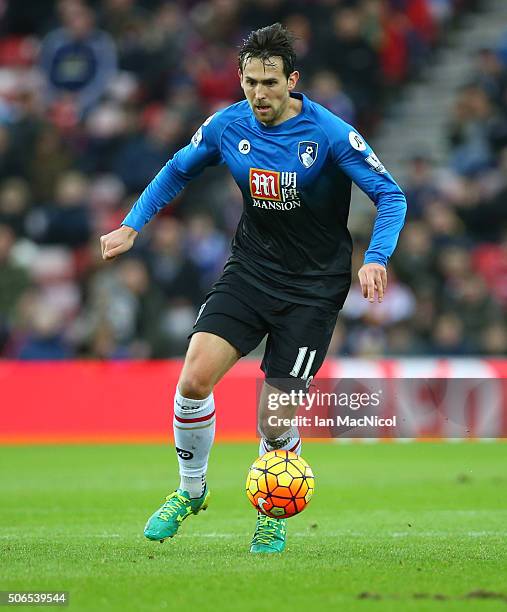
(298, 364)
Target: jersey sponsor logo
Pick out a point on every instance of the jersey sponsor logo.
(265, 184)
(272, 190)
(307, 152)
(197, 137)
(375, 164)
(244, 147)
(270, 205)
(356, 142)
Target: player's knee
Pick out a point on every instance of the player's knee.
(194, 385)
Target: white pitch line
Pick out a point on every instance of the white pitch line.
(15, 536)
(359, 534)
(299, 534)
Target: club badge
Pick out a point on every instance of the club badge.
(307, 153)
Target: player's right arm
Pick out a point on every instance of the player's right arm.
(187, 163)
(356, 158)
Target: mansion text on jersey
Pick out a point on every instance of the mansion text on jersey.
(273, 190)
(268, 205)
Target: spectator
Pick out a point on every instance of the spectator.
(13, 281)
(53, 275)
(176, 274)
(207, 248)
(143, 154)
(27, 124)
(448, 338)
(304, 44)
(44, 340)
(493, 341)
(326, 89)
(421, 185)
(49, 159)
(401, 342)
(423, 320)
(453, 267)
(119, 16)
(470, 131)
(475, 305)
(444, 224)
(67, 221)
(14, 204)
(491, 262)
(490, 75)
(78, 60)
(415, 252)
(351, 56)
(122, 312)
(10, 165)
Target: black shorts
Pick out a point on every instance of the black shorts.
(298, 335)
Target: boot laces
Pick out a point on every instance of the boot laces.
(267, 529)
(173, 505)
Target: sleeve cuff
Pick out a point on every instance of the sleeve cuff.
(375, 258)
(138, 226)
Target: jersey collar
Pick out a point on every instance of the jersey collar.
(281, 127)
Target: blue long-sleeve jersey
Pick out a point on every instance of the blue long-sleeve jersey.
(292, 240)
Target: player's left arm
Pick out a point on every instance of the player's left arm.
(357, 159)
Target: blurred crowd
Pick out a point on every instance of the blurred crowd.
(95, 97)
(448, 276)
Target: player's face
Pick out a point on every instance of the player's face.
(267, 89)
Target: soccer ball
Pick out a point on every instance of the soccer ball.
(280, 484)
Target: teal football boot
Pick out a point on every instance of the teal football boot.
(165, 522)
(269, 536)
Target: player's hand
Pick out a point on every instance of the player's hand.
(373, 277)
(117, 242)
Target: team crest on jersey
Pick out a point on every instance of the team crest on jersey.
(307, 152)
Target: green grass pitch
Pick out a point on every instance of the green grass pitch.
(419, 526)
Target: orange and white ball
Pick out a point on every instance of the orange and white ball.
(280, 484)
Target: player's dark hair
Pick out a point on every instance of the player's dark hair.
(266, 43)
